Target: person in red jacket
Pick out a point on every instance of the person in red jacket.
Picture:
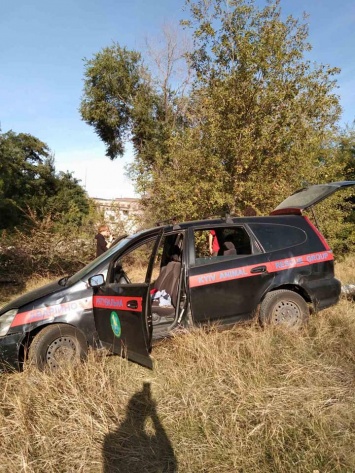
(102, 243)
(213, 243)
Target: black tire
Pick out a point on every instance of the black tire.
(284, 308)
(56, 345)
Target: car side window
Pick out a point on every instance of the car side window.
(221, 243)
(276, 237)
(132, 267)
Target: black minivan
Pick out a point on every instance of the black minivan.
(278, 268)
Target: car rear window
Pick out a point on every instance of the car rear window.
(276, 237)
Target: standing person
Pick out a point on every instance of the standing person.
(101, 243)
(213, 243)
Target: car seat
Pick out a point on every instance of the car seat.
(168, 281)
(229, 248)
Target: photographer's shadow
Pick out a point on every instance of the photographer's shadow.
(131, 448)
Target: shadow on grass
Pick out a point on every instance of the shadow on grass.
(131, 448)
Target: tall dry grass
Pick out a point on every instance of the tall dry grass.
(242, 400)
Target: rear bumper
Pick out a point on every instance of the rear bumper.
(10, 347)
(325, 293)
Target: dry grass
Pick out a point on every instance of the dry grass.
(345, 270)
(244, 400)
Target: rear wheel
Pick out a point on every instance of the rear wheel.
(284, 308)
(56, 345)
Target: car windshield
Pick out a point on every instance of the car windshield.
(97, 262)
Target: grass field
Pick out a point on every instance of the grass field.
(243, 400)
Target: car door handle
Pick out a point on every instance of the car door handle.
(258, 269)
(132, 304)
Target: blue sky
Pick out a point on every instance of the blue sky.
(43, 44)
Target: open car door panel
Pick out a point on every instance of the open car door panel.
(122, 306)
(305, 198)
(120, 319)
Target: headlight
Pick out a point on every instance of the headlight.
(6, 320)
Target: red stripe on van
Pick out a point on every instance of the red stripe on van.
(71, 308)
(117, 303)
(271, 267)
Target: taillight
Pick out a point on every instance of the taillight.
(318, 233)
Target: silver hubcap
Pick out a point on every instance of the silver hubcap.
(286, 313)
(61, 350)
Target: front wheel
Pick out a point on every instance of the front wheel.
(284, 308)
(57, 345)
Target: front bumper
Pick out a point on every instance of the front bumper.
(10, 347)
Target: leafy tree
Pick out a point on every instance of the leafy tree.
(29, 182)
(112, 81)
(259, 122)
(340, 227)
(266, 111)
(346, 152)
(69, 206)
(26, 171)
(187, 187)
(121, 103)
(261, 119)
(49, 216)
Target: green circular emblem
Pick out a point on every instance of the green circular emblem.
(115, 324)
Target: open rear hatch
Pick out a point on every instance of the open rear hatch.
(306, 197)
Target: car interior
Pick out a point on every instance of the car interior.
(232, 241)
(166, 287)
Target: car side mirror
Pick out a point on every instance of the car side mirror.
(97, 280)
